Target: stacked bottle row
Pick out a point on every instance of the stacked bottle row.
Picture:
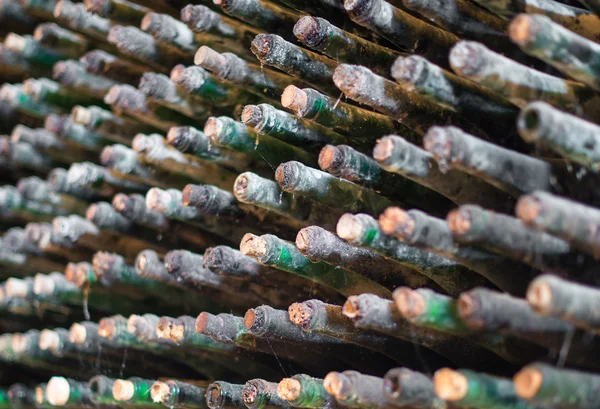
(400, 387)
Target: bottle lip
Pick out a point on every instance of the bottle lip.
(58, 390)
(295, 99)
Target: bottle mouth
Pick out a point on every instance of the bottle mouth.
(530, 123)
(465, 58)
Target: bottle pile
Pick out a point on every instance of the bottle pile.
(274, 204)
